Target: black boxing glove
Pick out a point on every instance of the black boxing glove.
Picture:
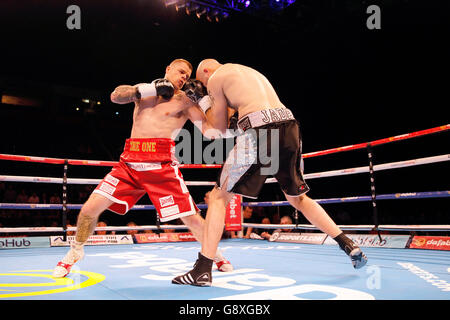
(197, 92)
(194, 90)
(159, 87)
(233, 129)
(233, 122)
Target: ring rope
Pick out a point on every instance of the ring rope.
(391, 196)
(199, 166)
(277, 203)
(332, 173)
(387, 227)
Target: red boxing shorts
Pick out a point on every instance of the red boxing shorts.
(148, 166)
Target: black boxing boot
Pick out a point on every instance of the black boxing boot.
(200, 275)
(356, 255)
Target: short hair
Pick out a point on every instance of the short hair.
(286, 218)
(184, 61)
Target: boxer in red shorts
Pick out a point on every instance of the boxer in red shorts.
(148, 164)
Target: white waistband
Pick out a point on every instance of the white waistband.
(262, 117)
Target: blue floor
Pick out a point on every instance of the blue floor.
(263, 270)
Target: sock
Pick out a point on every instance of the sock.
(219, 256)
(77, 245)
(345, 243)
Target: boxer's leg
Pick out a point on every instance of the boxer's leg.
(88, 216)
(215, 220)
(315, 214)
(87, 220)
(200, 275)
(318, 217)
(196, 223)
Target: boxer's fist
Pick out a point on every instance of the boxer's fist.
(164, 88)
(194, 90)
(233, 122)
(159, 87)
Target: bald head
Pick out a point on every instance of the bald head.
(205, 69)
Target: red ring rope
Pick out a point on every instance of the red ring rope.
(218, 166)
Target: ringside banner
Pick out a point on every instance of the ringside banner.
(372, 240)
(58, 241)
(164, 237)
(24, 242)
(311, 238)
(430, 243)
(233, 214)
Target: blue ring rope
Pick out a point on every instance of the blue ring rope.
(391, 196)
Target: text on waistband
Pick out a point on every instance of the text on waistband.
(142, 146)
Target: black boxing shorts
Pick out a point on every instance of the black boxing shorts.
(269, 146)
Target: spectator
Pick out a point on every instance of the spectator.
(10, 195)
(283, 220)
(55, 199)
(44, 198)
(2, 190)
(258, 233)
(131, 231)
(248, 218)
(22, 197)
(168, 230)
(33, 198)
(70, 233)
(101, 224)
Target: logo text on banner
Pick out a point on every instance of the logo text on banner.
(24, 242)
(233, 214)
(430, 242)
(58, 241)
(164, 237)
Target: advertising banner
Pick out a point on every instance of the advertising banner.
(372, 240)
(58, 241)
(311, 238)
(430, 243)
(24, 242)
(163, 237)
(233, 214)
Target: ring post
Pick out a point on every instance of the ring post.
(295, 218)
(372, 190)
(64, 201)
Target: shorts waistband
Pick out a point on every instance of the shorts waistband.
(262, 117)
(149, 145)
(149, 150)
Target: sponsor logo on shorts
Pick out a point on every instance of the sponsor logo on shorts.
(111, 180)
(166, 201)
(144, 166)
(169, 211)
(107, 188)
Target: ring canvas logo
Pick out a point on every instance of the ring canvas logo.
(27, 283)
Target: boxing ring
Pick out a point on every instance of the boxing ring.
(263, 270)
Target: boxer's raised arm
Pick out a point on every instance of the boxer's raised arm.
(124, 94)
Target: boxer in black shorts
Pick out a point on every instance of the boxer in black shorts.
(285, 166)
(268, 143)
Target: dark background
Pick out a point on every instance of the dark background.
(345, 83)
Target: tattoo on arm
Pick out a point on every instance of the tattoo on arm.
(124, 94)
(85, 227)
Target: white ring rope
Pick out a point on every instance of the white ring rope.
(333, 173)
(437, 227)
